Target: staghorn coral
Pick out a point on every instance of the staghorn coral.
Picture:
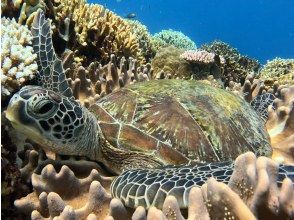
(280, 70)
(251, 193)
(97, 32)
(236, 66)
(26, 10)
(18, 62)
(170, 37)
(168, 64)
(144, 38)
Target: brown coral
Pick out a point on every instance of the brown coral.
(97, 32)
(95, 81)
(280, 125)
(26, 10)
(251, 193)
(52, 198)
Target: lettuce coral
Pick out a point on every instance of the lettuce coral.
(173, 38)
(18, 61)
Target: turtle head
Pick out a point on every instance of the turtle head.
(52, 120)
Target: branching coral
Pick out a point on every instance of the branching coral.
(97, 32)
(18, 62)
(170, 37)
(236, 66)
(26, 10)
(144, 37)
(280, 70)
(95, 81)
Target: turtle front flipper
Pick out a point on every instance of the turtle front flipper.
(261, 103)
(51, 74)
(150, 187)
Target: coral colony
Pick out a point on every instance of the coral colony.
(96, 111)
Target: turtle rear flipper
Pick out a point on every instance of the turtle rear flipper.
(51, 74)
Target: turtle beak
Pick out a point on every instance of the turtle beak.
(14, 107)
(20, 120)
(16, 112)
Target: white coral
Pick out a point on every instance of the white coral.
(18, 61)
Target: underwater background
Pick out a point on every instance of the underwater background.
(124, 84)
(263, 29)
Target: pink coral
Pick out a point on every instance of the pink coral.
(201, 57)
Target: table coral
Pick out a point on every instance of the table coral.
(97, 32)
(170, 37)
(17, 58)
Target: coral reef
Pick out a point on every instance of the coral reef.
(97, 32)
(170, 37)
(204, 63)
(92, 82)
(12, 185)
(23, 11)
(280, 70)
(251, 193)
(51, 198)
(236, 66)
(144, 37)
(167, 63)
(18, 62)
(280, 120)
(280, 125)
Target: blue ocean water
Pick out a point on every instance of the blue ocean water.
(263, 29)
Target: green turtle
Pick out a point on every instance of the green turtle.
(147, 125)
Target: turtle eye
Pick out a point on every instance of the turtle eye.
(44, 107)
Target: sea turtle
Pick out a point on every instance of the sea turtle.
(146, 125)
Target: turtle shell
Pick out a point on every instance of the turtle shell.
(181, 121)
